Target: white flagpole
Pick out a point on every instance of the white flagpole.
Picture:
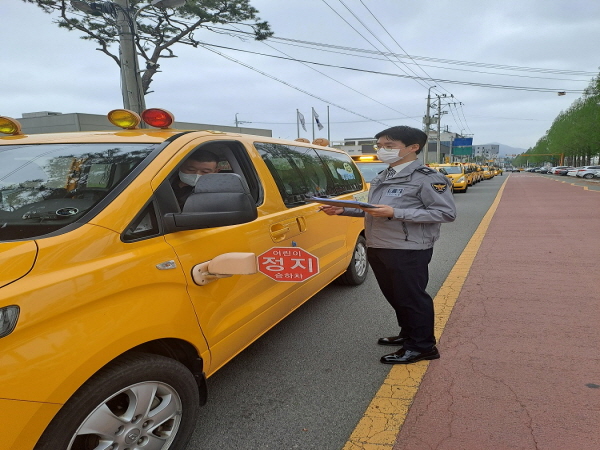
(313, 123)
(328, 127)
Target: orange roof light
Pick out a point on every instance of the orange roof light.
(159, 118)
(123, 118)
(366, 158)
(9, 126)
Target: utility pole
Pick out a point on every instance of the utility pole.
(438, 153)
(426, 125)
(131, 80)
(439, 124)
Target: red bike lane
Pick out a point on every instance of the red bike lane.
(520, 364)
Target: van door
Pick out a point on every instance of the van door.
(303, 172)
(234, 311)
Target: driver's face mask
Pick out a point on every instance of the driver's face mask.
(189, 178)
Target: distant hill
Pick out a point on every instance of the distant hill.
(506, 149)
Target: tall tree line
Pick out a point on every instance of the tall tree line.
(575, 133)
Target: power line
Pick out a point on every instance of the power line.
(382, 43)
(395, 41)
(337, 81)
(426, 58)
(435, 80)
(374, 46)
(289, 85)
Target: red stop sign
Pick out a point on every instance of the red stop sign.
(288, 264)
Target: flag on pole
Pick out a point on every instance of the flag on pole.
(301, 120)
(316, 117)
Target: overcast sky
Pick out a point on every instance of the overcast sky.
(45, 68)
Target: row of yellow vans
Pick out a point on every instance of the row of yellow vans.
(462, 175)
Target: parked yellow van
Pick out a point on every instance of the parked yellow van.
(456, 172)
(488, 172)
(119, 297)
(473, 176)
(369, 165)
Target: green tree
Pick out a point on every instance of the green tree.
(575, 133)
(157, 29)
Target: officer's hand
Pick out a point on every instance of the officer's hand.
(380, 211)
(331, 210)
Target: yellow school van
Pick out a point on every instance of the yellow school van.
(137, 262)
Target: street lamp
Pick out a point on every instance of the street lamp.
(131, 81)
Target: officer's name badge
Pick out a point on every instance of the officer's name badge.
(394, 192)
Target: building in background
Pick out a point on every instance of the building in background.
(489, 151)
(356, 146)
(360, 146)
(56, 122)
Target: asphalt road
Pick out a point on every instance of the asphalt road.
(307, 382)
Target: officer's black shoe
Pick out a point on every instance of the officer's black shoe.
(392, 340)
(404, 356)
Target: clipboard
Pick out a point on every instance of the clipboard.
(343, 203)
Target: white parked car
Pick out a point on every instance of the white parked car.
(587, 171)
(554, 170)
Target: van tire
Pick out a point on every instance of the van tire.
(358, 269)
(104, 402)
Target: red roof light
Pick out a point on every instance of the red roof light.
(159, 118)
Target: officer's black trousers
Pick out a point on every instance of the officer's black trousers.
(402, 276)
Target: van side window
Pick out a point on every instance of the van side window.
(345, 174)
(231, 156)
(302, 172)
(298, 172)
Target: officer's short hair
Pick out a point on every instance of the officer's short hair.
(406, 135)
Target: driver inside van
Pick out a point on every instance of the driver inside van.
(198, 163)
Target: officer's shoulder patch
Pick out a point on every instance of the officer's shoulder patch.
(426, 170)
(439, 187)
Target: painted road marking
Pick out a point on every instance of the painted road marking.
(385, 415)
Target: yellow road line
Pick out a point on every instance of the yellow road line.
(385, 415)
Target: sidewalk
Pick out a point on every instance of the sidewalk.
(520, 365)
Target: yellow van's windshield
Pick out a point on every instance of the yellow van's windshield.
(46, 187)
(453, 170)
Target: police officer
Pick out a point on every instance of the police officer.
(412, 201)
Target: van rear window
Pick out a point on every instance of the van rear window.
(44, 188)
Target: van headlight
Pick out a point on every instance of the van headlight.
(461, 180)
(8, 319)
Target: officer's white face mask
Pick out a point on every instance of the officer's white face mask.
(390, 156)
(189, 178)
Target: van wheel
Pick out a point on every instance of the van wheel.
(357, 270)
(137, 401)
